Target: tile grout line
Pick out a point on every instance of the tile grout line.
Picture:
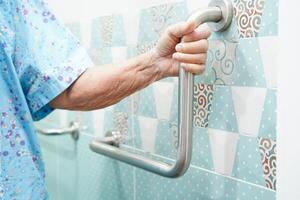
(233, 178)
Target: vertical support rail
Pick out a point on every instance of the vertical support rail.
(218, 15)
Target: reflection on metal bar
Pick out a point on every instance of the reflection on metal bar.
(72, 130)
(220, 14)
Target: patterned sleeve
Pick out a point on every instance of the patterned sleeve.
(47, 58)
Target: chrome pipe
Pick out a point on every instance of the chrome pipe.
(219, 15)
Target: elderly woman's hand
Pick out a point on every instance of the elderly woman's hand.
(100, 87)
(169, 51)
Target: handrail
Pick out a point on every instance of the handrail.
(73, 130)
(220, 13)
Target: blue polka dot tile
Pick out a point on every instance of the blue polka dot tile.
(146, 106)
(222, 114)
(197, 184)
(79, 179)
(166, 139)
(269, 116)
(269, 20)
(201, 149)
(123, 106)
(249, 69)
(247, 164)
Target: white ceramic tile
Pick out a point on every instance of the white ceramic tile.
(194, 5)
(131, 26)
(148, 129)
(150, 3)
(98, 117)
(63, 117)
(248, 104)
(163, 95)
(119, 54)
(269, 55)
(223, 146)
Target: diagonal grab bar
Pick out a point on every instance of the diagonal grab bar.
(220, 13)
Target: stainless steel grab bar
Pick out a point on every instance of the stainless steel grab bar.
(72, 130)
(219, 12)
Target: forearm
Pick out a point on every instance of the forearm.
(103, 86)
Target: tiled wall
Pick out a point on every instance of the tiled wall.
(234, 153)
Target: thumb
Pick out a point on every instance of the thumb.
(181, 29)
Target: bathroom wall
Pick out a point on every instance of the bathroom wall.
(234, 152)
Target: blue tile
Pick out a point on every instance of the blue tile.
(166, 139)
(196, 184)
(269, 116)
(269, 20)
(201, 149)
(146, 106)
(249, 69)
(247, 165)
(50, 157)
(222, 114)
(84, 174)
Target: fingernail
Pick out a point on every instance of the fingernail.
(179, 47)
(183, 65)
(176, 55)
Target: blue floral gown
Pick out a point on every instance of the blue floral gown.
(39, 59)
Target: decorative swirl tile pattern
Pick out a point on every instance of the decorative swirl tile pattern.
(143, 48)
(120, 123)
(202, 104)
(107, 30)
(154, 20)
(267, 149)
(248, 15)
(174, 132)
(161, 17)
(221, 63)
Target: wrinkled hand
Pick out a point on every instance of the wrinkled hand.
(192, 52)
